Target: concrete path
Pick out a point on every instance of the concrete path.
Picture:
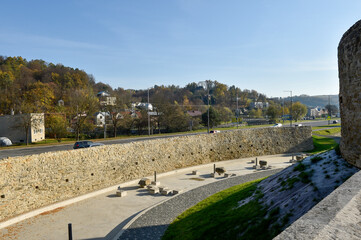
(104, 216)
(152, 223)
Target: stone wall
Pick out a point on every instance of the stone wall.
(30, 182)
(349, 66)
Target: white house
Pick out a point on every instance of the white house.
(13, 127)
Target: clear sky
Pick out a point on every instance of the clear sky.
(269, 46)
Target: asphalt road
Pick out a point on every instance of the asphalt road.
(4, 153)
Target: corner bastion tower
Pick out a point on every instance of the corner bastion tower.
(349, 67)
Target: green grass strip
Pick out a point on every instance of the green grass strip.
(322, 144)
(220, 217)
(331, 131)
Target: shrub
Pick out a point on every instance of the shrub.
(316, 159)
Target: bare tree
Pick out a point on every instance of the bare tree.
(83, 104)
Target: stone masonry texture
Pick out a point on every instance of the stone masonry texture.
(31, 182)
(349, 67)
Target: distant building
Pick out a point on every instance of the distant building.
(143, 106)
(259, 105)
(317, 112)
(100, 118)
(12, 127)
(105, 99)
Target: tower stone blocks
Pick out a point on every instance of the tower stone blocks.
(349, 66)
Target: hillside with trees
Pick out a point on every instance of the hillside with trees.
(70, 99)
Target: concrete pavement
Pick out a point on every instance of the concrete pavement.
(101, 215)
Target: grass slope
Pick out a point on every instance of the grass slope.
(262, 209)
(222, 216)
(322, 144)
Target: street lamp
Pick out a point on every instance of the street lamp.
(148, 115)
(205, 84)
(291, 107)
(237, 111)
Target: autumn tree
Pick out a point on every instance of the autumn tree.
(56, 126)
(40, 96)
(298, 111)
(82, 105)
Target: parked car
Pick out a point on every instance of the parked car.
(277, 125)
(335, 121)
(4, 141)
(96, 144)
(214, 131)
(82, 144)
(298, 125)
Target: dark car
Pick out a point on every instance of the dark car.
(82, 144)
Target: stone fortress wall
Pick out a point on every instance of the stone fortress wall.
(349, 66)
(30, 182)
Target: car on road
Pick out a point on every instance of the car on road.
(335, 121)
(4, 142)
(96, 144)
(82, 144)
(298, 125)
(277, 125)
(86, 144)
(214, 131)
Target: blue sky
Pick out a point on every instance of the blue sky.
(269, 46)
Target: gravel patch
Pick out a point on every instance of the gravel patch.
(154, 222)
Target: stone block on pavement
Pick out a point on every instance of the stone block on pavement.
(144, 182)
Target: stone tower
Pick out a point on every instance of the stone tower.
(349, 67)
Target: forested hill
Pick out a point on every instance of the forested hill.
(37, 86)
(318, 100)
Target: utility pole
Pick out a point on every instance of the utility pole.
(148, 115)
(290, 108)
(329, 110)
(283, 112)
(237, 112)
(208, 108)
(206, 85)
(105, 125)
(77, 122)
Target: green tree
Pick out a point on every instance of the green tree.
(273, 112)
(214, 117)
(56, 126)
(332, 109)
(298, 111)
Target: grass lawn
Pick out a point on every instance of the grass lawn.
(327, 126)
(328, 131)
(322, 144)
(219, 217)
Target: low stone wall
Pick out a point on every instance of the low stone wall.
(30, 182)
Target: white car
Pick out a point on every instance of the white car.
(298, 125)
(277, 125)
(4, 141)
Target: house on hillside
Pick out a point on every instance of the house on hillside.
(14, 127)
(143, 106)
(317, 112)
(259, 105)
(105, 99)
(100, 118)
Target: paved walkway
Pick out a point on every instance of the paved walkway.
(153, 222)
(105, 215)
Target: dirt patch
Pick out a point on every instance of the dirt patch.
(52, 211)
